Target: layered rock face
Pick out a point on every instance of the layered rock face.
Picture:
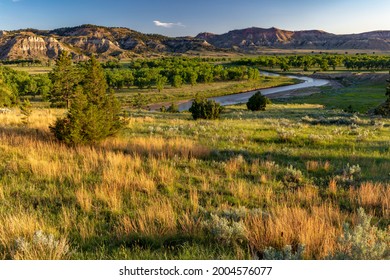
(85, 40)
(104, 42)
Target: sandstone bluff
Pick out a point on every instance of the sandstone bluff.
(109, 42)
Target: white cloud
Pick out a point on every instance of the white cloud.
(167, 24)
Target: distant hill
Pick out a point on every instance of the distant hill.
(256, 38)
(85, 40)
(108, 42)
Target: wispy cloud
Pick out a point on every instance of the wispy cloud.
(16, 1)
(168, 24)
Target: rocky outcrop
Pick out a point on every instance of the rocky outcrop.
(83, 41)
(32, 46)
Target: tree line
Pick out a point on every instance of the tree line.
(16, 84)
(324, 62)
(174, 72)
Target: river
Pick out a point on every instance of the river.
(239, 98)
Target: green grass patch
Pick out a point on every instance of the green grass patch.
(361, 97)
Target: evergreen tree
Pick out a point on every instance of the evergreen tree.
(65, 80)
(203, 108)
(257, 102)
(93, 114)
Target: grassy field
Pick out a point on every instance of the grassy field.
(169, 187)
(360, 98)
(33, 70)
(353, 92)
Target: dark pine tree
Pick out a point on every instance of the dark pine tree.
(93, 114)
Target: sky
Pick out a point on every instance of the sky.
(184, 17)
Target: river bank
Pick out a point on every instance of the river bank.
(274, 92)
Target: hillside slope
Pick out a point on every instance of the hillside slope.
(108, 42)
(255, 38)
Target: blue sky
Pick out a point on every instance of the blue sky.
(183, 17)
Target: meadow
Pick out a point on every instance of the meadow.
(252, 185)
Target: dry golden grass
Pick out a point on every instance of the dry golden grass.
(194, 199)
(189, 225)
(307, 195)
(14, 119)
(313, 165)
(234, 165)
(332, 186)
(316, 227)
(17, 226)
(156, 219)
(159, 147)
(2, 196)
(111, 196)
(374, 196)
(86, 228)
(84, 199)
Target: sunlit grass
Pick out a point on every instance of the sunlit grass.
(154, 190)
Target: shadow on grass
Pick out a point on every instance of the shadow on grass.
(34, 134)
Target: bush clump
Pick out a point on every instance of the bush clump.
(41, 246)
(384, 109)
(286, 253)
(203, 108)
(257, 102)
(173, 108)
(364, 242)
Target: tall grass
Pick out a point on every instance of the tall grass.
(182, 183)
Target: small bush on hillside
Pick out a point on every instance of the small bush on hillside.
(384, 109)
(173, 108)
(351, 172)
(203, 108)
(257, 102)
(225, 230)
(42, 246)
(292, 177)
(285, 254)
(364, 242)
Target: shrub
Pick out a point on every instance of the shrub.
(292, 178)
(351, 172)
(364, 242)
(384, 109)
(173, 108)
(42, 246)
(285, 254)
(225, 230)
(205, 109)
(257, 102)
